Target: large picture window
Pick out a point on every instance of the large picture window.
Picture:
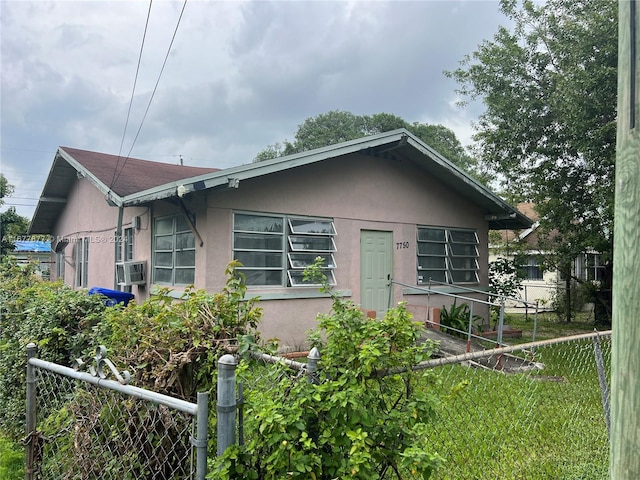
(275, 249)
(447, 255)
(174, 251)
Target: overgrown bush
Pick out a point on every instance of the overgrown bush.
(505, 277)
(172, 346)
(365, 416)
(579, 296)
(169, 345)
(50, 314)
(505, 280)
(357, 419)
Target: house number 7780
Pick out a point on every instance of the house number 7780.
(401, 245)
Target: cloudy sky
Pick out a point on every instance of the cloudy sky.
(239, 75)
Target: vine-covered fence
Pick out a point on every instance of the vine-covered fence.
(532, 411)
(81, 425)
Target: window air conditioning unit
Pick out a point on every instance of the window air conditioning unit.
(131, 273)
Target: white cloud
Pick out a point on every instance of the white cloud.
(241, 75)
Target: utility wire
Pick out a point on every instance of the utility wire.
(152, 93)
(133, 91)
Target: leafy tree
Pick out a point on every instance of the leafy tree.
(338, 126)
(12, 225)
(548, 132)
(444, 141)
(271, 151)
(5, 188)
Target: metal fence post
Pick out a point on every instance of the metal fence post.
(226, 404)
(535, 324)
(313, 358)
(470, 330)
(500, 322)
(312, 365)
(31, 414)
(202, 439)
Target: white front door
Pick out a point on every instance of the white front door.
(375, 270)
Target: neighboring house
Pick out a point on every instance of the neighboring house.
(34, 251)
(381, 208)
(539, 284)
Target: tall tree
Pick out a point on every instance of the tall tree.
(339, 126)
(549, 128)
(12, 225)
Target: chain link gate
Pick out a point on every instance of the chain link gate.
(88, 426)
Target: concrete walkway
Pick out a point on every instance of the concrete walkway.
(449, 346)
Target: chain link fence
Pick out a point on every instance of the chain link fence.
(534, 411)
(539, 413)
(89, 428)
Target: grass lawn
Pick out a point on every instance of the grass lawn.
(11, 460)
(543, 424)
(548, 326)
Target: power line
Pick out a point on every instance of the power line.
(159, 76)
(152, 93)
(133, 91)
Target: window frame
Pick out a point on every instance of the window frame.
(60, 265)
(529, 264)
(448, 250)
(124, 245)
(293, 257)
(589, 267)
(82, 262)
(174, 251)
(124, 251)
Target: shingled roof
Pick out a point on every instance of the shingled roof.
(529, 210)
(125, 176)
(113, 175)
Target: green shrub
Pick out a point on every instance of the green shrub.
(457, 317)
(169, 345)
(172, 346)
(357, 420)
(52, 315)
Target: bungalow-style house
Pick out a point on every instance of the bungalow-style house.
(539, 284)
(387, 213)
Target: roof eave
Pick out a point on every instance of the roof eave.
(501, 215)
(232, 176)
(38, 226)
(112, 198)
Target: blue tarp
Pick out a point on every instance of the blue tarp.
(113, 296)
(32, 246)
